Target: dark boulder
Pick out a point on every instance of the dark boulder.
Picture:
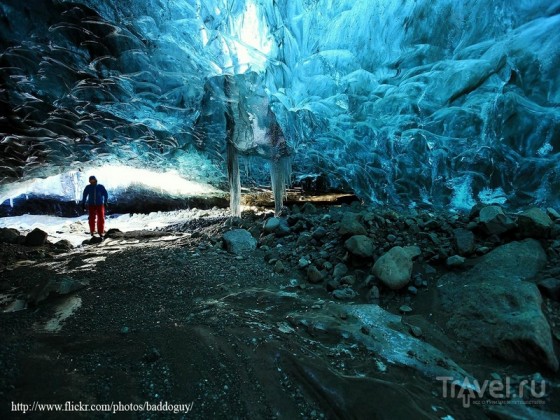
(36, 237)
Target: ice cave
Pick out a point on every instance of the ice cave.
(315, 209)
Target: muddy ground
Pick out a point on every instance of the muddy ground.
(170, 317)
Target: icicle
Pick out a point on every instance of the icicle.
(280, 171)
(280, 168)
(232, 155)
(11, 202)
(234, 180)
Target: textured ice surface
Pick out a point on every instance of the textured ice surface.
(439, 102)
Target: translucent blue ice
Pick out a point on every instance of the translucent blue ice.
(408, 102)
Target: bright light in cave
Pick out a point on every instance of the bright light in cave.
(170, 182)
(69, 185)
(254, 37)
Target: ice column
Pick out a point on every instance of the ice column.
(232, 154)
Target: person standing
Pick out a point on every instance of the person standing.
(96, 196)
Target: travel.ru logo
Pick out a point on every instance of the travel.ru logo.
(494, 391)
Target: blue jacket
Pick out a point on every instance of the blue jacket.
(95, 195)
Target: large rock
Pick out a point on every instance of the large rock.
(277, 226)
(515, 260)
(314, 275)
(36, 237)
(270, 225)
(493, 220)
(360, 246)
(350, 225)
(534, 223)
(492, 307)
(9, 236)
(382, 333)
(464, 241)
(340, 270)
(394, 268)
(63, 245)
(239, 241)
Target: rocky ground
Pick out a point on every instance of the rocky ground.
(325, 312)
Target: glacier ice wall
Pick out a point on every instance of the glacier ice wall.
(406, 102)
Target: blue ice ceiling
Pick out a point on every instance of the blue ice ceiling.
(441, 102)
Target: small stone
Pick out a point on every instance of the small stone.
(394, 268)
(350, 225)
(95, 240)
(552, 213)
(455, 261)
(405, 309)
(391, 238)
(303, 262)
(314, 275)
(36, 237)
(482, 250)
(344, 294)
(279, 267)
(340, 270)
(125, 330)
(464, 241)
(332, 284)
(350, 280)
(373, 294)
(239, 241)
(319, 233)
(63, 245)
(360, 246)
(432, 224)
(412, 290)
(270, 225)
(416, 331)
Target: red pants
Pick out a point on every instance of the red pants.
(99, 212)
